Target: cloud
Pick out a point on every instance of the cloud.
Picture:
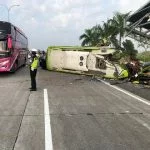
(128, 5)
(61, 22)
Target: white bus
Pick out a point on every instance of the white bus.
(83, 60)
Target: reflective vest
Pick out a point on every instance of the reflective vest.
(35, 63)
(124, 74)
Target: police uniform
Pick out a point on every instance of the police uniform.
(33, 71)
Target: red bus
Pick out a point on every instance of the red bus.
(13, 47)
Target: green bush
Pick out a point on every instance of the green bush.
(144, 56)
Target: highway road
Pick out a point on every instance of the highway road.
(84, 114)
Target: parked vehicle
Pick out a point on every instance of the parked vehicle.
(13, 47)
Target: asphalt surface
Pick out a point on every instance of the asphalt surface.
(138, 89)
(85, 114)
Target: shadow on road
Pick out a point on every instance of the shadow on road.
(4, 74)
(10, 74)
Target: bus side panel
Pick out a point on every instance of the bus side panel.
(19, 49)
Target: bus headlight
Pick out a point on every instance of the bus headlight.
(4, 63)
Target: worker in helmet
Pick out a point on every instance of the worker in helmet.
(33, 70)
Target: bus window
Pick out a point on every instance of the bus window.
(2, 45)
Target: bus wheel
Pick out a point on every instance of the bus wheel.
(24, 64)
(14, 68)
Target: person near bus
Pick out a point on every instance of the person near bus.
(43, 60)
(33, 70)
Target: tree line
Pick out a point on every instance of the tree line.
(111, 32)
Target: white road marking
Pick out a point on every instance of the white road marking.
(48, 133)
(147, 126)
(141, 122)
(126, 92)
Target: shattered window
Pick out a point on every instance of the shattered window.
(100, 63)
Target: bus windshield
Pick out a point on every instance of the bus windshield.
(5, 28)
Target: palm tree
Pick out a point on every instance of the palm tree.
(129, 49)
(98, 32)
(104, 33)
(90, 38)
(118, 23)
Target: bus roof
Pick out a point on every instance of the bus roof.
(103, 50)
(77, 48)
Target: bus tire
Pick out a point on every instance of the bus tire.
(15, 66)
(24, 62)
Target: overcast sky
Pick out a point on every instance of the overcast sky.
(61, 22)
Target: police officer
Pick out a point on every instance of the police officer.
(33, 70)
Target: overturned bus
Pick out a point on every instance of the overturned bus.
(84, 60)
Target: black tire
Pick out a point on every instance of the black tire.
(14, 68)
(25, 61)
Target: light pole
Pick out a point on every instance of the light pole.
(8, 9)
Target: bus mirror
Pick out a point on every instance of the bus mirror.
(9, 42)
